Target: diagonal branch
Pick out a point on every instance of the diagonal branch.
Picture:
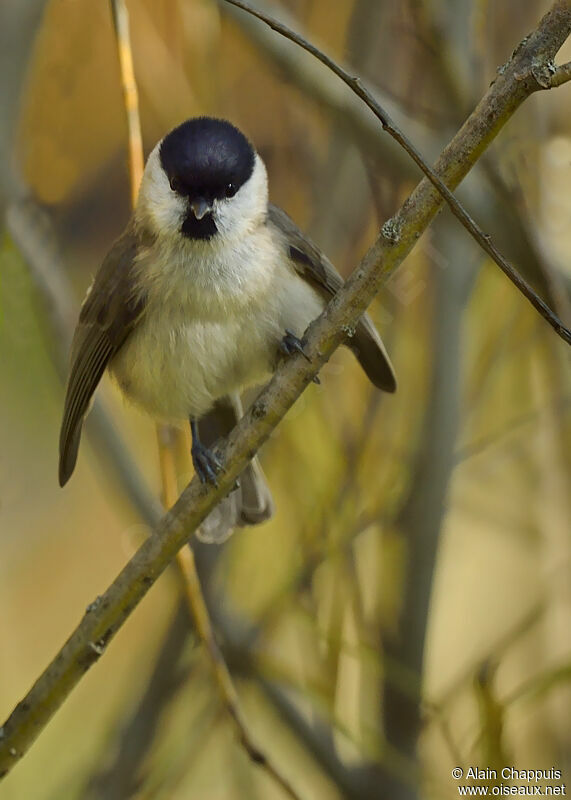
(542, 74)
(105, 616)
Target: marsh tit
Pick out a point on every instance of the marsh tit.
(206, 289)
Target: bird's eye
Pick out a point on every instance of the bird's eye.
(175, 184)
(230, 190)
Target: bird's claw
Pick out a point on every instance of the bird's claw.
(206, 464)
(291, 344)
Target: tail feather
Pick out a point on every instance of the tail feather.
(370, 351)
(251, 502)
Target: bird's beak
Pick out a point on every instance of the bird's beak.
(200, 207)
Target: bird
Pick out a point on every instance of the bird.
(205, 291)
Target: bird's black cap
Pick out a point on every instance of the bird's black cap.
(206, 157)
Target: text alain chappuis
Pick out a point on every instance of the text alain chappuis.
(529, 781)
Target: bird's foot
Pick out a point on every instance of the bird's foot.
(291, 344)
(206, 464)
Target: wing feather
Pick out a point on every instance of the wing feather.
(108, 315)
(315, 267)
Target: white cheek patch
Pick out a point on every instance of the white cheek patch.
(239, 215)
(157, 202)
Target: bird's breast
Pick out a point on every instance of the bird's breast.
(211, 325)
(202, 333)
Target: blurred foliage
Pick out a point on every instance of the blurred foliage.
(449, 501)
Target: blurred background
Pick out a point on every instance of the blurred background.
(408, 609)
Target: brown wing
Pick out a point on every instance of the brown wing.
(107, 316)
(316, 268)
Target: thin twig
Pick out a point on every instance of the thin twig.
(561, 75)
(483, 239)
(107, 614)
(222, 673)
(354, 119)
(120, 14)
(508, 198)
(130, 95)
(195, 598)
(185, 557)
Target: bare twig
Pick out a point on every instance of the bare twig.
(508, 197)
(531, 617)
(355, 121)
(105, 616)
(560, 75)
(484, 240)
(136, 166)
(222, 673)
(130, 95)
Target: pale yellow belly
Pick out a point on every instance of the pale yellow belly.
(181, 373)
(175, 366)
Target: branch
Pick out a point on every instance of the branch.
(351, 117)
(534, 76)
(508, 211)
(321, 87)
(222, 674)
(105, 616)
(561, 75)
